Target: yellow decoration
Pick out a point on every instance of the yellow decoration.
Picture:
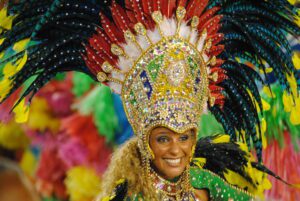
(40, 117)
(221, 139)
(12, 136)
(21, 112)
(2, 53)
(293, 83)
(82, 184)
(258, 177)
(263, 131)
(287, 101)
(292, 2)
(21, 45)
(5, 86)
(5, 21)
(243, 146)
(9, 70)
(266, 105)
(200, 162)
(296, 58)
(28, 163)
(268, 92)
(1, 40)
(295, 113)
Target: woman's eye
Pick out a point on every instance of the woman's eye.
(184, 137)
(162, 139)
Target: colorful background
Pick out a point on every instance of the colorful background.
(63, 145)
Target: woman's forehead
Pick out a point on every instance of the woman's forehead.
(167, 130)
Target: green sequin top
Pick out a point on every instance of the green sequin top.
(219, 189)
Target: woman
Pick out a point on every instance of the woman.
(169, 61)
(169, 172)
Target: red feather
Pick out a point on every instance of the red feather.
(101, 41)
(93, 67)
(156, 5)
(102, 48)
(111, 30)
(147, 7)
(120, 17)
(219, 62)
(92, 55)
(216, 50)
(216, 38)
(136, 9)
(182, 3)
(195, 8)
(201, 5)
(206, 16)
(168, 8)
(215, 88)
(190, 9)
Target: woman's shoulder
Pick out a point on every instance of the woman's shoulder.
(217, 187)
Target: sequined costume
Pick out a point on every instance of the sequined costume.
(169, 61)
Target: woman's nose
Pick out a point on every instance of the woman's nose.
(175, 148)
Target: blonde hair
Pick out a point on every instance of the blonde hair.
(126, 163)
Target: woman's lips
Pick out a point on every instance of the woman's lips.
(173, 162)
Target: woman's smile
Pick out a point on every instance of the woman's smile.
(172, 151)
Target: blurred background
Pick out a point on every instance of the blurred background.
(59, 150)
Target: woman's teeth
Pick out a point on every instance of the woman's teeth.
(173, 161)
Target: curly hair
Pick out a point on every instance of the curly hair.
(126, 163)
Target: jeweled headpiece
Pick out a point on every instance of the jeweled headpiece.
(162, 73)
(165, 58)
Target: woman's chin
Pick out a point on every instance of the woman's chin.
(173, 173)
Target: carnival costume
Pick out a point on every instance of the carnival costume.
(170, 61)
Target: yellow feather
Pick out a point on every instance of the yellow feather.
(9, 70)
(292, 1)
(266, 105)
(21, 45)
(2, 53)
(296, 58)
(293, 83)
(236, 179)
(1, 40)
(295, 120)
(21, 112)
(263, 133)
(5, 86)
(287, 101)
(22, 62)
(6, 21)
(221, 139)
(200, 162)
(267, 91)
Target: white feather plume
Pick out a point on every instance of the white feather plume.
(131, 50)
(205, 57)
(142, 40)
(168, 26)
(154, 35)
(118, 76)
(124, 64)
(194, 37)
(201, 42)
(117, 88)
(184, 30)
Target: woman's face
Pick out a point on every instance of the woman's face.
(172, 151)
